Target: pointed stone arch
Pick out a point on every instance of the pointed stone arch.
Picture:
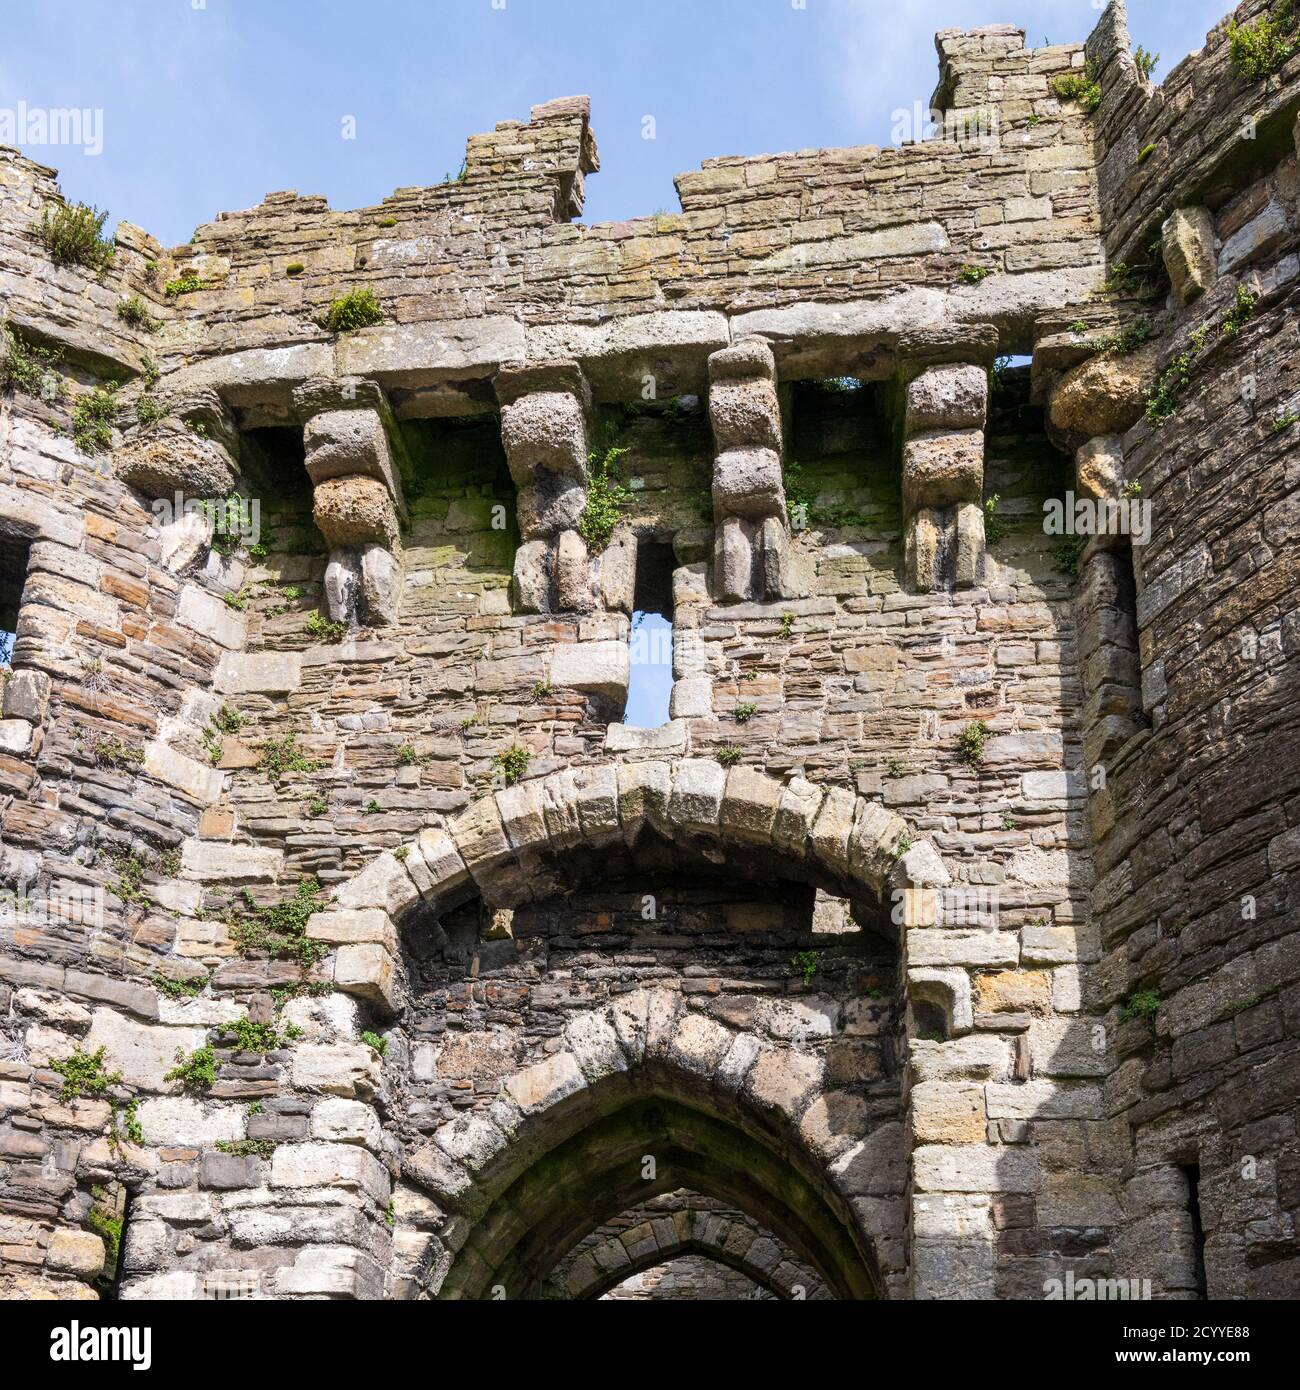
(724, 1111)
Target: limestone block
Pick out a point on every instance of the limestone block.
(338, 1069)
(381, 585)
(696, 801)
(947, 1112)
(348, 927)
(330, 1165)
(575, 590)
(531, 579)
(75, 1252)
(941, 469)
(1267, 230)
(182, 541)
(143, 1052)
(829, 838)
(355, 511)
(383, 884)
(176, 1120)
(210, 861)
(599, 668)
(643, 792)
(203, 612)
(691, 698)
(618, 572)
(553, 504)
(699, 1044)
(747, 482)
(796, 813)
(922, 551)
(745, 414)
(343, 585)
(545, 431)
(258, 673)
(947, 398)
(968, 562)
(523, 815)
(17, 736)
(774, 546)
(27, 695)
(974, 1168)
(197, 780)
(168, 458)
(1104, 395)
(784, 1080)
(749, 805)
(543, 1084)
(1099, 467)
(479, 837)
(733, 560)
(347, 443)
(1187, 245)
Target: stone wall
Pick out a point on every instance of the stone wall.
(367, 823)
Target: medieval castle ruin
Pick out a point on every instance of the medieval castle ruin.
(941, 943)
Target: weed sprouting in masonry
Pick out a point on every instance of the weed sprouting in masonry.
(280, 930)
(806, 962)
(971, 741)
(512, 764)
(356, 309)
(605, 498)
(72, 234)
(282, 755)
(84, 1075)
(196, 1071)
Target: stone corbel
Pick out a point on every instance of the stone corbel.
(545, 412)
(752, 527)
(352, 449)
(943, 476)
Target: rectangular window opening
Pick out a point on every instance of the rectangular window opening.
(1192, 1173)
(14, 554)
(650, 674)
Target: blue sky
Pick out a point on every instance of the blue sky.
(209, 104)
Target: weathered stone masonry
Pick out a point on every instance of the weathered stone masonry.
(867, 1002)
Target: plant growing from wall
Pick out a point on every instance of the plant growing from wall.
(806, 962)
(72, 234)
(606, 496)
(319, 626)
(280, 930)
(93, 418)
(356, 309)
(187, 282)
(1146, 62)
(512, 764)
(995, 528)
(26, 367)
(1243, 306)
(1142, 1003)
(1083, 87)
(282, 755)
(971, 741)
(84, 1075)
(134, 314)
(1258, 49)
(196, 1071)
